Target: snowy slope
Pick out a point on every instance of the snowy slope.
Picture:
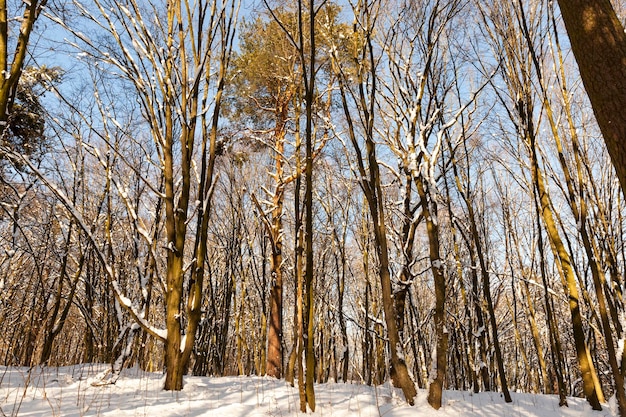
(69, 391)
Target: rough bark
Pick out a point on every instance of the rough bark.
(274, 366)
(598, 41)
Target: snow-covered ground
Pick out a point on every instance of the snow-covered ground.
(70, 391)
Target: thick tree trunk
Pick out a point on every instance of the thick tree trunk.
(598, 41)
(309, 270)
(274, 365)
(173, 355)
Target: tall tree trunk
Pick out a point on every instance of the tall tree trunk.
(274, 366)
(555, 341)
(296, 352)
(598, 41)
(429, 212)
(490, 308)
(563, 258)
(173, 355)
(309, 97)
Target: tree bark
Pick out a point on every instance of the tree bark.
(598, 41)
(555, 341)
(13, 71)
(274, 366)
(429, 212)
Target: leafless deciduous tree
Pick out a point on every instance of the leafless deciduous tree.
(166, 59)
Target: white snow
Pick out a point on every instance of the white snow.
(75, 391)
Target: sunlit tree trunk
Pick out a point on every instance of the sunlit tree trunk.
(309, 269)
(564, 262)
(555, 340)
(12, 62)
(598, 41)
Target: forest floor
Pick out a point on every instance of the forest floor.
(74, 391)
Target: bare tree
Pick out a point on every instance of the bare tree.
(362, 91)
(172, 86)
(520, 100)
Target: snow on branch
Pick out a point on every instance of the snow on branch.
(125, 302)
